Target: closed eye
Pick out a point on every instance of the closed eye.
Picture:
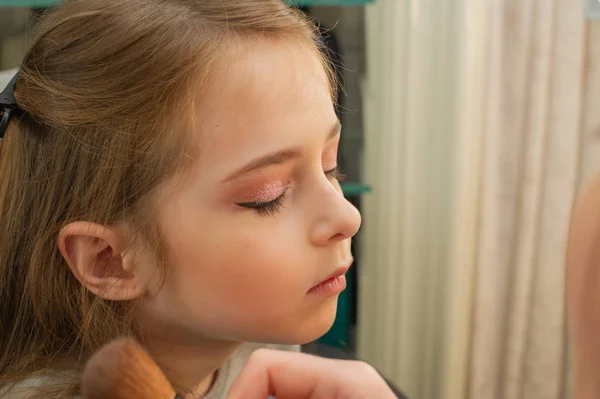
(266, 208)
(335, 174)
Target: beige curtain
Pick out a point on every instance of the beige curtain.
(531, 173)
(463, 260)
(408, 156)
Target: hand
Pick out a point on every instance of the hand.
(290, 375)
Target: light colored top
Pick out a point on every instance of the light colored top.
(226, 375)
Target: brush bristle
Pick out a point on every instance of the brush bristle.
(123, 370)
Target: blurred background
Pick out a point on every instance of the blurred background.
(470, 126)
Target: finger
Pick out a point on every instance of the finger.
(288, 375)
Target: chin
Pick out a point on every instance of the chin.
(310, 327)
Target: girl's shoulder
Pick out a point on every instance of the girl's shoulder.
(225, 378)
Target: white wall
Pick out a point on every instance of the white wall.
(5, 76)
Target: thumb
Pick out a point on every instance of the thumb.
(291, 375)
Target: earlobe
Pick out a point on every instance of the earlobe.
(97, 257)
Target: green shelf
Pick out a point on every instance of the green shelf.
(47, 3)
(354, 189)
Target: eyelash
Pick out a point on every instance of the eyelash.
(275, 206)
(335, 174)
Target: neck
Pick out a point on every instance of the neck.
(192, 368)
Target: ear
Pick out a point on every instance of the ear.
(97, 258)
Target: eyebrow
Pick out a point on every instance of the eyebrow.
(278, 157)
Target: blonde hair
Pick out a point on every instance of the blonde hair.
(106, 89)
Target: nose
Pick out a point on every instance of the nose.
(337, 219)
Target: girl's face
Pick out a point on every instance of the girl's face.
(260, 219)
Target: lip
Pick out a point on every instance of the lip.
(340, 271)
(333, 284)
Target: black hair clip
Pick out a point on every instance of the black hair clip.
(8, 105)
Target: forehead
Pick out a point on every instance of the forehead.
(267, 96)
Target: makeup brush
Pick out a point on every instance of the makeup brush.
(123, 370)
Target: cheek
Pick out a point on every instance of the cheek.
(231, 265)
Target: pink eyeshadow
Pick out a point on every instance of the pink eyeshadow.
(269, 192)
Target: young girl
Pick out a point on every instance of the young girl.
(169, 173)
